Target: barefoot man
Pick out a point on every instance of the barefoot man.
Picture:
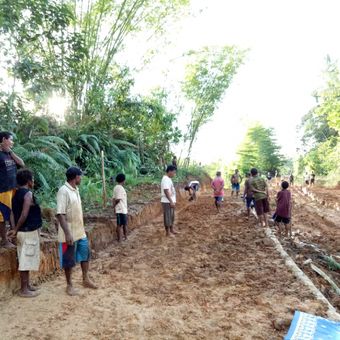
(218, 188)
(168, 200)
(73, 243)
(235, 180)
(259, 187)
(8, 172)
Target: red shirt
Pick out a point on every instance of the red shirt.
(283, 203)
(218, 186)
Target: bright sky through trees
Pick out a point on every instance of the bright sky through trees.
(288, 42)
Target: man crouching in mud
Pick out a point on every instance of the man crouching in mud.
(168, 200)
(73, 243)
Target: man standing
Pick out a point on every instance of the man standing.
(26, 222)
(8, 172)
(119, 201)
(168, 200)
(174, 161)
(73, 243)
(259, 188)
(307, 179)
(218, 187)
(236, 179)
(248, 195)
(312, 179)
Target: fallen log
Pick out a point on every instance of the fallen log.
(326, 277)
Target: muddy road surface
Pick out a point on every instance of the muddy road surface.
(220, 278)
(316, 230)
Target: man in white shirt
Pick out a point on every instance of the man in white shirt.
(119, 202)
(168, 200)
(73, 243)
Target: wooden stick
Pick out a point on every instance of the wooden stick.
(103, 179)
(326, 277)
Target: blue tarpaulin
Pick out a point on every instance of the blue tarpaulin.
(310, 327)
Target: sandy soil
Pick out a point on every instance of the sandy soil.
(219, 279)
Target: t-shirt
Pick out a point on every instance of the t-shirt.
(167, 184)
(33, 220)
(258, 183)
(69, 204)
(119, 193)
(218, 186)
(193, 183)
(247, 189)
(8, 172)
(283, 203)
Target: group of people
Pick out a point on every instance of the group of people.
(309, 179)
(19, 209)
(256, 194)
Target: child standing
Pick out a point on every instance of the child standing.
(119, 202)
(218, 187)
(26, 222)
(283, 209)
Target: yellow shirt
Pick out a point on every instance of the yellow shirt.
(69, 204)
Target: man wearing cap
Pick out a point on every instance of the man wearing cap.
(73, 243)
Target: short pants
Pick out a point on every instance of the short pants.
(250, 202)
(218, 199)
(79, 251)
(284, 220)
(6, 205)
(168, 214)
(28, 250)
(236, 186)
(122, 219)
(195, 187)
(262, 206)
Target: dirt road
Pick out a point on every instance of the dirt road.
(219, 279)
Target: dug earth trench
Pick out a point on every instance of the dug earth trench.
(316, 236)
(220, 278)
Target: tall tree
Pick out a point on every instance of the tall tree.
(321, 126)
(70, 46)
(260, 149)
(329, 97)
(207, 77)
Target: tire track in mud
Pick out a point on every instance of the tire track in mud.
(221, 278)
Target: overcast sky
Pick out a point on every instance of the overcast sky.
(288, 41)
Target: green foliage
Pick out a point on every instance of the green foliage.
(208, 75)
(329, 97)
(192, 171)
(315, 129)
(69, 47)
(260, 150)
(321, 127)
